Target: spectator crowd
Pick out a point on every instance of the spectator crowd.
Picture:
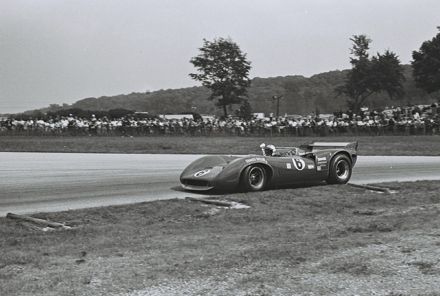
(411, 120)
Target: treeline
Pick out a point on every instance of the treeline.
(78, 112)
(301, 95)
(111, 114)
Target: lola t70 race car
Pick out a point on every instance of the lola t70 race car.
(278, 166)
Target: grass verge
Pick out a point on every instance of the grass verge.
(332, 240)
(378, 145)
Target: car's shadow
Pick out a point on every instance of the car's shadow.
(223, 192)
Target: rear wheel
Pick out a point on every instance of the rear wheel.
(254, 178)
(340, 170)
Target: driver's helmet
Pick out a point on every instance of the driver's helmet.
(269, 150)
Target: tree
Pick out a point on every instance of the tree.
(387, 74)
(245, 110)
(368, 76)
(223, 69)
(426, 65)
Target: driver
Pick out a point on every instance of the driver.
(270, 150)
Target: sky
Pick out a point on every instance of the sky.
(60, 51)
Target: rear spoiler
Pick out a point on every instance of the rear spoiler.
(346, 145)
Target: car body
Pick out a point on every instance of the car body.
(319, 161)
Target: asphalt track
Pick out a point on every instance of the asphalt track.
(35, 182)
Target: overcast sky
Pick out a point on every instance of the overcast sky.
(60, 51)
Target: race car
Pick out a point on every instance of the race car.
(277, 166)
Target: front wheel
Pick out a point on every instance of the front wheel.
(340, 170)
(254, 178)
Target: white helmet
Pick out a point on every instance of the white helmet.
(269, 150)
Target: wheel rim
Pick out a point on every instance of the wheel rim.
(256, 177)
(342, 170)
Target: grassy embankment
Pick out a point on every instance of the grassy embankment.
(378, 145)
(332, 240)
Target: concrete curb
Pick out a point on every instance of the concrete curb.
(373, 188)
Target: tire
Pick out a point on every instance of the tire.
(254, 178)
(340, 170)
